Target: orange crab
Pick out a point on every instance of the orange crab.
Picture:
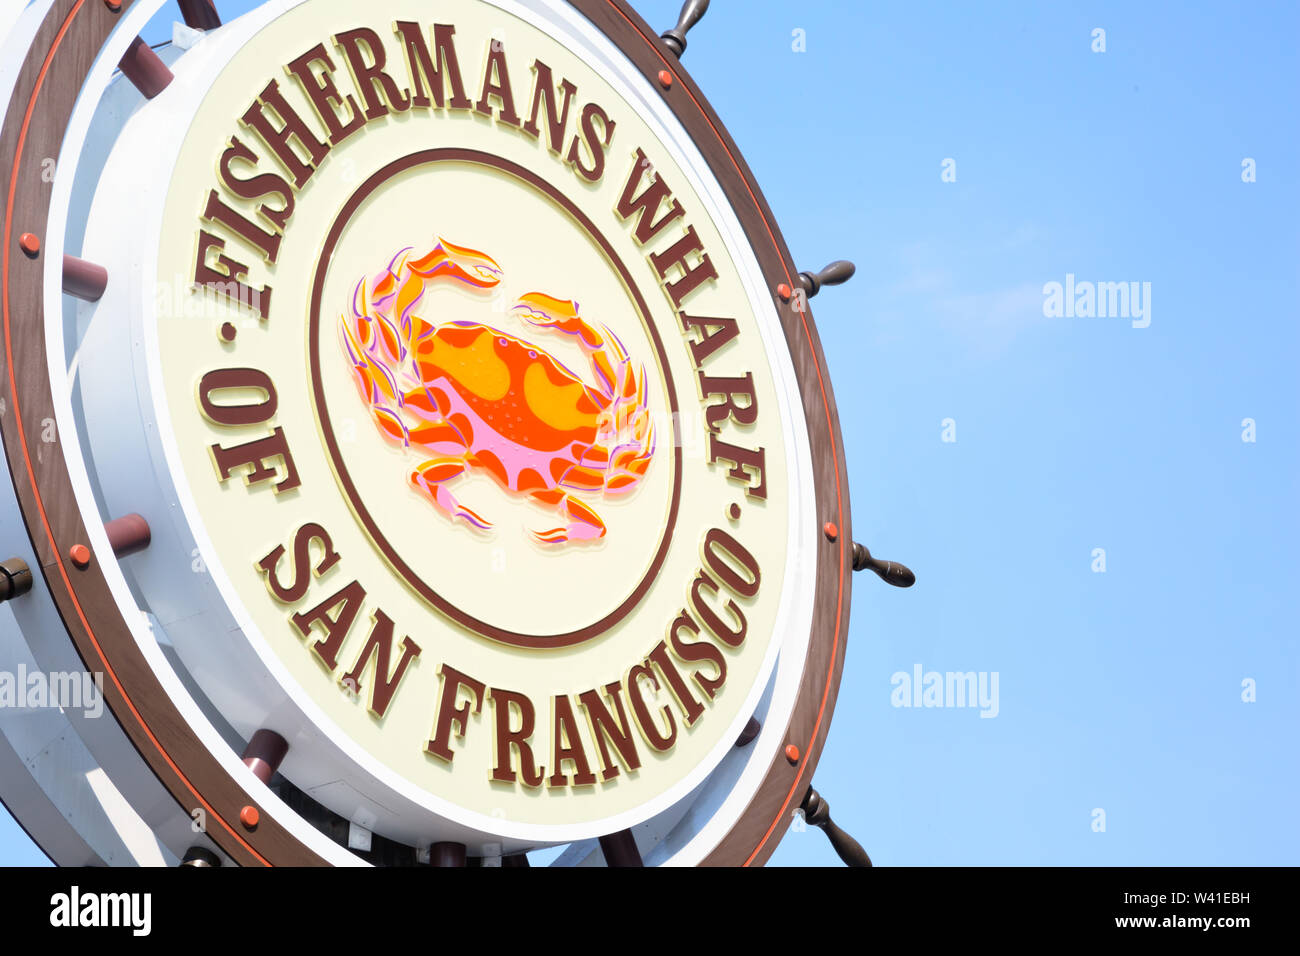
(468, 396)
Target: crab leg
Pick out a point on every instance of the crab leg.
(439, 438)
(430, 480)
(584, 524)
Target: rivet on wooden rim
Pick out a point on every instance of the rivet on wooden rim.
(830, 531)
(30, 244)
(80, 555)
(792, 753)
(114, 6)
(665, 79)
(249, 817)
(784, 291)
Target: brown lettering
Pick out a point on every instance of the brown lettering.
(717, 543)
(508, 740)
(714, 334)
(450, 714)
(566, 744)
(641, 710)
(732, 637)
(302, 540)
(423, 67)
(267, 242)
(647, 203)
(556, 121)
(732, 387)
(596, 143)
(370, 78)
(702, 650)
(261, 454)
(281, 140)
(256, 187)
(227, 282)
(691, 708)
(336, 628)
(675, 256)
(604, 728)
(380, 646)
(496, 83)
(237, 379)
(744, 461)
(324, 94)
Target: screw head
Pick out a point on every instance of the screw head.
(30, 244)
(249, 817)
(785, 292)
(80, 555)
(665, 79)
(792, 753)
(114, 6)
(830, 531)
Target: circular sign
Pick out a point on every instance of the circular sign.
(491, 453)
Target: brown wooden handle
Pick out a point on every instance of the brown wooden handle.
(848, 849)
(818, 812)
(692, 11)
(15, 578)
(891, 572)
(837, 273)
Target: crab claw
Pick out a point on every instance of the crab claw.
(542, 309)
(584, 524)
(546, 311)
(458, 262)
(577, 531)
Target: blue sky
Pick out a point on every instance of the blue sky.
(1119, 690)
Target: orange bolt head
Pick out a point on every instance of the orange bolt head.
(784, 292)
(792, 753)
(249, 817)
(80, 555)
(114, 5)
(665, 79)
(831, 531)
(30, 244)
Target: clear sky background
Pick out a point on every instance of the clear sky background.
(1120, 691)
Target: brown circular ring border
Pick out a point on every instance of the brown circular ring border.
(475, 157)
(754, 836)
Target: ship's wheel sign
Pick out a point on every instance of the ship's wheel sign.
(443, 434)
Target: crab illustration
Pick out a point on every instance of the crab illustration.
(469, 396)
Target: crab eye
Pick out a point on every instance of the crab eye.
(502, 341)
(532, 354)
